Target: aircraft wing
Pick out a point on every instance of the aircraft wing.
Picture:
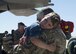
(22, 7)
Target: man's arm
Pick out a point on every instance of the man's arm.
(43, 45)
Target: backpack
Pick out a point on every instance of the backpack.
(67, 27)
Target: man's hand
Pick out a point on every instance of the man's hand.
(22, 40)
(51, 47)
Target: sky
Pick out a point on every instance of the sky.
(65, 8)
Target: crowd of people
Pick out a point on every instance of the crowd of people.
(45, 36)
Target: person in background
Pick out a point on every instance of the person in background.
(18, 47)
(19, 32)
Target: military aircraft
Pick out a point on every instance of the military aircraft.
(22, 7)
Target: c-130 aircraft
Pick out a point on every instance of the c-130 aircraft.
(23, 7)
